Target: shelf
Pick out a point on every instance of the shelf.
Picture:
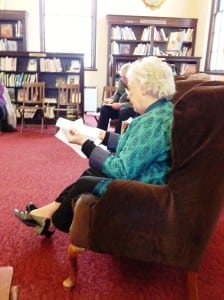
(13, 30)
(16, 68)
(134, 37)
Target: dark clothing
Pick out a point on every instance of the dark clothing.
(107, 113)
(70, 194)
(122, 114)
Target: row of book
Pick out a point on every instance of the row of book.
(147, 49)
(46, 64)
(151, 33)
(8, 63)
(58, 65)
(17, 80)
(8, 45)
(122, 33)
(182, 69)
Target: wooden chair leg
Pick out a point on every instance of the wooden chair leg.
(192, 282)
(72, 253)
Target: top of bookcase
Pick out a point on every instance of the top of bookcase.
(150, 20)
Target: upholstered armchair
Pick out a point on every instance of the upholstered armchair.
(184, 86)
(170, 224)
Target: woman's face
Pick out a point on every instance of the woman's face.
(136, 97)
(124, 80)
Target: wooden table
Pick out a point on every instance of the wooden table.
(6, 274)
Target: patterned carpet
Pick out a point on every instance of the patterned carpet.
(37, 167)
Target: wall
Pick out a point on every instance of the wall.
(199, 9)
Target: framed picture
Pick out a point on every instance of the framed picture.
(73, 79)
(175, 41)
(6, 30)
(153, 4)
(125, 49)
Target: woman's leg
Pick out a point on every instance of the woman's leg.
(60, 211)
(62, 217)
(106, 113)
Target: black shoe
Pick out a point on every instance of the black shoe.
(7, 127)
(25, 217)
(43, 225)
(30, 206)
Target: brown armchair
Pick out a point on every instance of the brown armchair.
(169, 224)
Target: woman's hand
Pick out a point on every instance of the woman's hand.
(108, 101)
(75, 137)
(116, 105)
(102, 134)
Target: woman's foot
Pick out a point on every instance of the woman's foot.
(25, 217)
(30, 206)
(40, 224)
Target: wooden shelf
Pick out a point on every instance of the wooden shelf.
(13, 30)
(16, 68)
(133, 37)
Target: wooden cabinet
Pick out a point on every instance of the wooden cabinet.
(13, 30)
(52, 68)
(133, 37)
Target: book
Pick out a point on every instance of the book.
(125, 49)
(175, 41)
(60, 80)
(65, 125)
(6, 30)
(32, 65)
(74, 66)
(73, 79)
(20, 95)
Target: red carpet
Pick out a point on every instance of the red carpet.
(37, 167)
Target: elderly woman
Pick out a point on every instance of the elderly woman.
(142, 153)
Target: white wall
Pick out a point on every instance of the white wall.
(199, 9)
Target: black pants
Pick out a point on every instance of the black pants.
(62, 218)
(107, 113)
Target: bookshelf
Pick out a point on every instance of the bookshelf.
(13, 30)
(16, 68)
(133, 37)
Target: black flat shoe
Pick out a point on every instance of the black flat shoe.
(30, 206)
(43, 226)
(40, 224)
(25, 217)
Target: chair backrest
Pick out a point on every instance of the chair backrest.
(108, 91)
(183, 86)
(34, 93)
(68, 94)
(196, 183)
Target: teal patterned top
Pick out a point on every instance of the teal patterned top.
(143, 152)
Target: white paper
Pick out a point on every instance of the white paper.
(64, 125)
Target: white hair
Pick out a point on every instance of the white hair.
(153, 75)
(124, 69)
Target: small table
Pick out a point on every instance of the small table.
(5, 282)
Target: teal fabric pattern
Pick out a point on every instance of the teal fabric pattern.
(143, 152)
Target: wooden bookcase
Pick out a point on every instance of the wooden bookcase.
(13, 30)
(16, 68)
(133, 37)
